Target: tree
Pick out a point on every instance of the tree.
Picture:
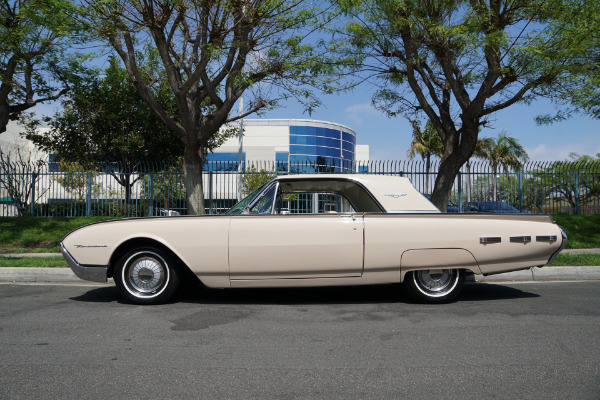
(20, 173)
(212, 52)
(74, 179)
(253, 179)
(575, 181)
(104, 120)
(35, 61)
(426, 143)
(506, 151)
(457, 62)
(479, 152)
(579, 89)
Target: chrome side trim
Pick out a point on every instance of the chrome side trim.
(520, 239)
(550, 238)
(97, 273)
(490, 239)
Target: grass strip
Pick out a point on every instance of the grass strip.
(583, 230)
(37, 234)
(44, 262)
(576, 260)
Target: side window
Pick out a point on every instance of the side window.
(313, 203)
(265, 204)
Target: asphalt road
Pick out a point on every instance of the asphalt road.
(508, 341)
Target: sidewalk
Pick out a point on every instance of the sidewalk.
(25, 274)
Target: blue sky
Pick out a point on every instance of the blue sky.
(389, 138)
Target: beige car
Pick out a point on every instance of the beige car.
(314, 230)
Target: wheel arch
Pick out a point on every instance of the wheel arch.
(132, 243)
(445, 258)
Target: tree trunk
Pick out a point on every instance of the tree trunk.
(3, 117)
(449, 168)
(192, 169)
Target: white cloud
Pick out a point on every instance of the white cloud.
(358, 111)
(543, 152)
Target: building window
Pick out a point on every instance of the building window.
(53, 163)
(316, 149)
(223, 162)
(282, 161)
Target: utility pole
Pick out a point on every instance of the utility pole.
(240, 151)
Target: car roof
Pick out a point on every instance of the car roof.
(395, 194)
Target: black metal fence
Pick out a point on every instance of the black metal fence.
(148, 188)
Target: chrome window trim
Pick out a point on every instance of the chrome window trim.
(260, 195)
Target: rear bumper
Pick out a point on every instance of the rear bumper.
(562, 246)
(96, 273)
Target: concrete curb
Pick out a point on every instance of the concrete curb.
(545, 274)
(26, 274)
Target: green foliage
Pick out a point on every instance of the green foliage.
(426, 142)
(75, 179)
(506, 151)
(575, 42)
(583, 231)
(37, 63)
(574, 181)
(457, 62)
(112, 209)
(105, 120)
(253, 179)
(168, 186)
(212, 53)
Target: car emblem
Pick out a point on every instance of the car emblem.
(396, 195)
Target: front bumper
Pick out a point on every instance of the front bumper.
(96, 273)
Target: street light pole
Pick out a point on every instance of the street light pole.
(240, 150)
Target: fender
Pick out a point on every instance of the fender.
(416, 259)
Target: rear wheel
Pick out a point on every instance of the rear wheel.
(434, 285)
(146, 276)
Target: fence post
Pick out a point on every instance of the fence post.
(32, 203)
(88, 200)
(460, 202)
(151, 194)
(520, 178)
(577, 205)
(210, 190)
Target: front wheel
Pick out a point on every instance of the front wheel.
(434, 285)
(146, 276)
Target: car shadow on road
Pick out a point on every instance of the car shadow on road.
(318, 295)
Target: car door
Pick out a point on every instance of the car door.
(264, 245)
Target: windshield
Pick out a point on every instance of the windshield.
(239, 207)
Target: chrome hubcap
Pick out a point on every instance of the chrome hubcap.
(146, 274)
(436, 281)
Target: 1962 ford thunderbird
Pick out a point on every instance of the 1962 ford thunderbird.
(314, 230)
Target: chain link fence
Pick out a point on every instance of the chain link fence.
(155, 189)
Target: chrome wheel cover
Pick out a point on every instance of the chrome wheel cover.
(145, 274)
(436, 282)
